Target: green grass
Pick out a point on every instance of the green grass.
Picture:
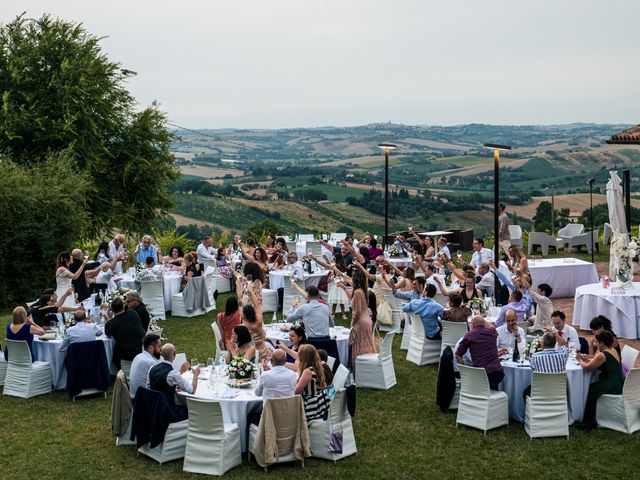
(400, 434)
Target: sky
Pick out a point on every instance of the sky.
(311, 63)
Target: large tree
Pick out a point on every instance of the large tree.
(60, 93)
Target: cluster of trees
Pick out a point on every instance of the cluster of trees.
(202, 187)
(78, 158)
(542, 218)
(309, 195)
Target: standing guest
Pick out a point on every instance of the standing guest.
(610, 381)
(261, 259)
(429, 311)
(174, 259)
(548, 360)
(504, 235)
(517, 262)
(146, 249)
(228, 319)
(443, 248)
(599, 324)
(270, 245)
(241, 343)
(360, 336)
(516, 303)
(417, 287)
(142, 363)
(278, 381)
(254, 280)
(311, 384)
(374, 250)
(566, 335)
(191, 269)
(480, 253)
(315, 316)
(106, 275)
(126, 330)
(481, 341)
(343, 249)
(402, 245)
(467, 293)
(85, 330)
(102, 252)
(456, 312)
(205, 250)
(64, 277)
(165, 379)
(117, 248)
(510, 334)
(87, 271)
(297, 337)
(336, 294)
(21, 328)
(251, 317)
(486, 281)
(280, 252)
(132, 300)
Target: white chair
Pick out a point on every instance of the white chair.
(422, 351)
(153, 295)
(406, 333)
(213, 447)
(479, 406)
(546, 413)
(3, 368)
(375, 370)
(544, 240)
(608, 233)
(269, 300)
(125, 366)
(452, 332)
(172, 447)
(179, 360)
(585, 240)
(629, 357)
(208, 263)
(178, 308)
(339, 419)
(515, 232)
(331, 361)
(570, 230)
(292, 247)
(621, 412)
(340, 377)
(315, 247)
(25, 379)
(288, 294)
(218, 336)
(338, 237)
(396, 311)
(441, 299)
(305, 237)
(211, 287)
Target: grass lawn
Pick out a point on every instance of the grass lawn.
(400, 434)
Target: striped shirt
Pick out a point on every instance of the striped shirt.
(550, 360)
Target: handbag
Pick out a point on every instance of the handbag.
(385, 314)
(335, 441)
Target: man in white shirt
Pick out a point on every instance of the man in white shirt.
(487, 281)
(294, 265)
(142, 363)
(509, 334)
(117, 247)
(566, 335)
(105, 276)
(442, 247)
(480, 254)
(205, 250)
(279, 381)
(83, 331)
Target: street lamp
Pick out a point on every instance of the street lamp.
(496, 201)
(590, 182)
(553, 212)
(386, 147)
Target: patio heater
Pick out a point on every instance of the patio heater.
(496, 201)
(590, 182)
(386, 147)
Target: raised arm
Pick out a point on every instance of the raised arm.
(321, 263)
(256, 304)
(358, 256)
(366, 272)
(299, 289)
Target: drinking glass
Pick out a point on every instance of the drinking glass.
(309, 252)
(249, 278)
(53, 326)
(459, 253)
(194, 362)
(209, 362)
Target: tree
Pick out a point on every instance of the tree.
(542, 218)
(309, 194)
(60, 93)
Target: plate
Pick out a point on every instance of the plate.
(285, 327)
(242, 383)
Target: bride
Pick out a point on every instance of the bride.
(64, 277)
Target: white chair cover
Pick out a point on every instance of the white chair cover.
(125, 366)
(629, 357)
(3, 368)
(546, 412)
(211, 284)
(621, 412)
(515, 232)
(213, 447)
(480, 407)
(178, 307)
(23, 378)
(152, 294)
(422, 351)
(339, 420)
(305, 237)
(173, 446)
(269, 300)
(441, 299)
(315, 247)
(375, 370)
(288, 295)
(396, 311)
(340, 377)
(218, 338)
(452, 332)
(406, 333)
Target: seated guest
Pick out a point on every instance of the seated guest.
(548, 360)
(566, 335)
(482, 340)
(544, 308)
(429, 311)
(164, 379)
(417, 287)
(279, 255)
(205, 250)
(485, 280)
(599, 324)
(610, 380)
(21, 328)
(106, 275)
(222, 261)
(241, 343)
(293, 265)
(374, 250)
(228, 319)
(146, 249)
(278, 381)
(174, 259)
(149, 273)
(297, 337)
(191, 269)
(480, 253)
(509, 334)
(324, 358)
(45, 310)
(457, 312)
(85, 330)
(126, 330)
(143, 362)
(517, 304)
(311, 384)
(132, 300)
(315, 316)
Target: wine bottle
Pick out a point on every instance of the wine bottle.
(516, 353)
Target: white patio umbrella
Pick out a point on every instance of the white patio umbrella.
(617, 218)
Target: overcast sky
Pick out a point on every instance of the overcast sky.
(304, 63)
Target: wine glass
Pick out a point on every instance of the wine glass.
(249, 278)
(410, 227)
(53, 326)
(309, 252)
(459, 254)
(194, 363)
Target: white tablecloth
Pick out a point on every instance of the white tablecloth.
(276, 278)
(563, 277)
(623, 309)
(236, 403)
(400, 261)
(172, 282)
(49, 351)
(517, 378)
(341, 335)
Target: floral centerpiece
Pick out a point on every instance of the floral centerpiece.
(119, 292)
(154, 326)
(240, 368)
(533, 346)
(623, 252)
(394, 251)
(477, 305)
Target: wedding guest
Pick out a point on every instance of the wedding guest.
(402, 245)
(297, 337)
(480, 253)
(106, 275)
(599, 324)
(481, 341)
(270, 245)
(443, 248)
(102, 252)
(150, 272)
(360, 336)
(174, 259)
(517, 304)
(278, 381)
(146, 249)
(132, 301)
(253, 279)
(224, 269)
(549, 359)
(117, 248)
(336, 294)
(311, 384)
(417, 287)
(48, 306)
(315, 316)
(565, 334)
(251, 317)
(21, 328)
(87, 270)
(429, 311)
(126, 330)
(467, 293)
(85, 330)
(504, 235)
(374, 251)
(509, 334)
(191, 269)
(241, 343)
(205, 250)
(228, 319)
(324, 358)
(64, 277)
(142, 363)
(261, 258)
(456, 312)
(518, 263)
(486, 281)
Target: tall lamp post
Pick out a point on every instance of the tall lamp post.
(496, 202)
(386, 147)
(553, 213)
(590, 182)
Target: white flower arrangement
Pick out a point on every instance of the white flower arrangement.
(240, 368)
(394, 251)
(119, 292)
(623, 251)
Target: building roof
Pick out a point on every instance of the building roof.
(629, 136)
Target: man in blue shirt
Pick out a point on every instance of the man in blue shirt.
(415, 293)
(144, 250)
(429, 311)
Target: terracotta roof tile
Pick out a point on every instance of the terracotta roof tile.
(629, 136)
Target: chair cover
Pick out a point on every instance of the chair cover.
(546, 412)
(153, 294)
(25, 379)
(375, 370)
(479, 407)
(621, 412)
(422, 351)
(339, 420)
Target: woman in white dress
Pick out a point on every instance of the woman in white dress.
(336, 294)
(64, 277)
(384, 312)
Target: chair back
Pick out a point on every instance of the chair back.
(549, 388)
(417, 327)
(631, 390)
(87, 367)
(387, 343)
(292, 246)
(441, 299)
(153, 294)
(19, 353)
(629, 357)
(305, 237)
(340, 377)
(338, 237)
(452, 332)
(395, 306)
(515, 231)
(474, 382)
(338, 409)
(156, 332)
(208, 263)
(208, 280)
(218, 335)
(125, 366)
(205, 418)
(179, 360)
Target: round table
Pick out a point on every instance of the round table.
(236, 403)
(518, 376)
(49, 351)
(171, 280)
(622, 309)
(400, 262)
(341, 335)
(276, 278)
